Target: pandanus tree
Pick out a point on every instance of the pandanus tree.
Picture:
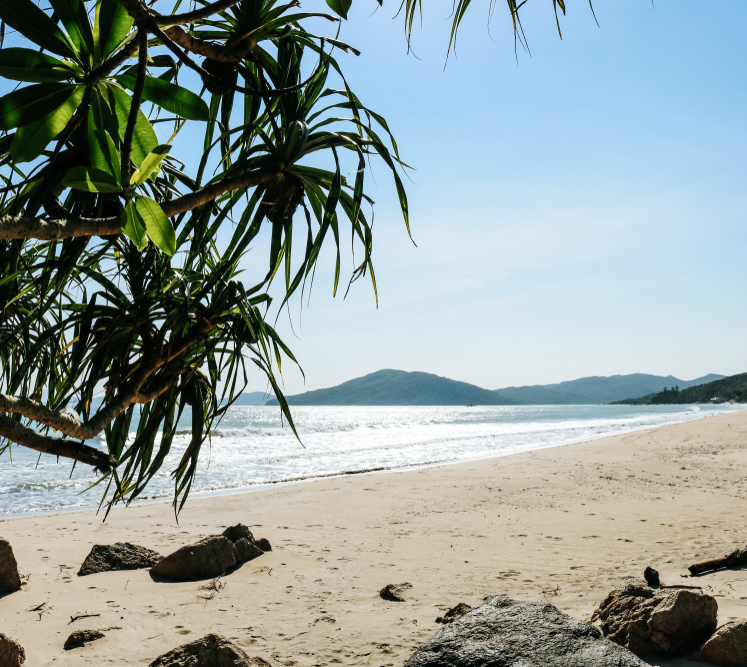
(119, 308)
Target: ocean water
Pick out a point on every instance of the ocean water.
(251, 449)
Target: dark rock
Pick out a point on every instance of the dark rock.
(394, 592)
(80, 637)
(237, 532)
(207, 559)
(10, 580)
(454, 613)
(264, 544)
(11, 652)
(652, 577)
(664, 621)
(504, 633)
(246, 551)
(727, 647)
(210, 651)
(119, 556)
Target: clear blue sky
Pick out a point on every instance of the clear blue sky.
(582, 213)
(579, 213)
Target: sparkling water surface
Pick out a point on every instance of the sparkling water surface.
(251, 449)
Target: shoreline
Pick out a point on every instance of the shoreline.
(563, 524)
(254, 487)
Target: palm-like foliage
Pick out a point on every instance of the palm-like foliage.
(113, 278)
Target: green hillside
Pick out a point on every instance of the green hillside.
(595, 389)
(732, 388)
(389, 387)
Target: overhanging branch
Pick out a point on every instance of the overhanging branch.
(23, 435)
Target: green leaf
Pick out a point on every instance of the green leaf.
(27, 65)
(90, 179)
(157, 225)
(25, 17)
(133, 227)
(340, 7)
(72, 14)
(111, 25)
(150, 164)
(27, 105)
(171, 97)
(31, 140)
(144, 139)
(104, 155)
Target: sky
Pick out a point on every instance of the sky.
(580, 212)
(577, 211)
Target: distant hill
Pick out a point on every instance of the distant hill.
(389, 387)
(592, 390)
(732, 388)
(253, 398)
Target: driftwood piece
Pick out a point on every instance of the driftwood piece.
(737, 558)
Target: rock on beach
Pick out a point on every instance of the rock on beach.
(11, 652)
(118, 556)
(10, 580)
(505, 633)
(210, 651)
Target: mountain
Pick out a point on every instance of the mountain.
(725, 389)
(253, 398)
(388, 387)
(591, 390)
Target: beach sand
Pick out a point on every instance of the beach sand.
(565, 525)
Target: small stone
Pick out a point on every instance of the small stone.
(727, 647)
(11, 652)
(454, 613)
(10, 580)
(119, 556)
(81, 637)
(264, 544)
(207, 559)
(210, 651)
(652, 577)
(237, 532)
(505, 633)
(394, 592)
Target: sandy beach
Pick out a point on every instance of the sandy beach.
(565, 525)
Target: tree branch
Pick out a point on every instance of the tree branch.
(22, 435)
(197, 14)
(124, 54)
(32, 227)
(208, 49)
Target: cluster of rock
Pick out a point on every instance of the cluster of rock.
(212, 556)
(209, 558)
(504, 633)
(664, 621)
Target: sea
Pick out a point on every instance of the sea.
(253, 448)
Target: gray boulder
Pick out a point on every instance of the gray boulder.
(119, 556)
(505, 633)
(207, 559)
(664, 621)
(11, 652)
(727, 647)
(210, 651)
(10, 580)
(81, 637)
